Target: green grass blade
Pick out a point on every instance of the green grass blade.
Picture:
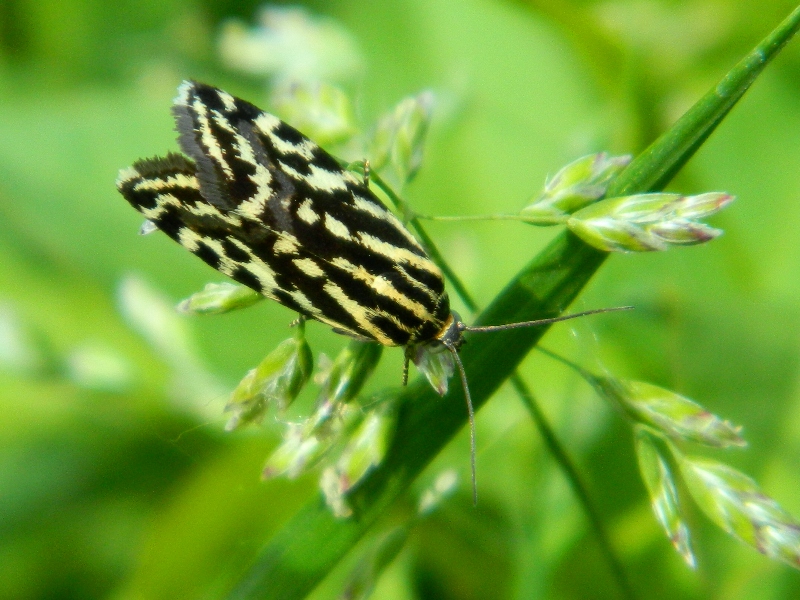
(313, 542)
(653, 169)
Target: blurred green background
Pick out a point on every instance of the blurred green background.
(116, 477)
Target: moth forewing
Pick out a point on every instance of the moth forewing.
(268, 207)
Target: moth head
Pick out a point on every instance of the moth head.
(452, 334)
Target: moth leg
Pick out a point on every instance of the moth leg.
(405, 370)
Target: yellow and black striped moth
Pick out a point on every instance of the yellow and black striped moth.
(260, 202)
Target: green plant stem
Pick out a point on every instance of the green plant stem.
(548, 433)
(496, 217)
(587, 376)
(578, 488)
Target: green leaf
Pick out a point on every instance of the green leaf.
(385, 549)
(313, 542)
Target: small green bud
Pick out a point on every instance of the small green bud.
(702, 205)
(660, 482)
(672, 414)
(219, 298)
(349, 372)
(296, 453)
(306, 443)
(735, 502)
(444, 485)
(366, 447)
(24, 349)
(360, 439)
(321, 111)
(436, 363)
(277, 380)
(98, 368)
(579, 183)
(684, 232)
(647, 222)
(333, 488)
(399, 138)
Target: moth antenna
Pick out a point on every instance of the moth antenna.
(471, 414)
(544, 321)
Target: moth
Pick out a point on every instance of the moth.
(260, 202)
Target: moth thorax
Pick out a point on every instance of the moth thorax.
(451, 334)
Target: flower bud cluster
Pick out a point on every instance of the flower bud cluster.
(276, 381)
(648, 222)
(346, 437)
(397, 144)
(731, 499)
(576, 185)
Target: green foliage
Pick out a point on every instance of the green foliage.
(117, 477)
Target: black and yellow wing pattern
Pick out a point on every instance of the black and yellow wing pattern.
(263, 204)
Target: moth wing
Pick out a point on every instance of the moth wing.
(268, 207)
(166, 191)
